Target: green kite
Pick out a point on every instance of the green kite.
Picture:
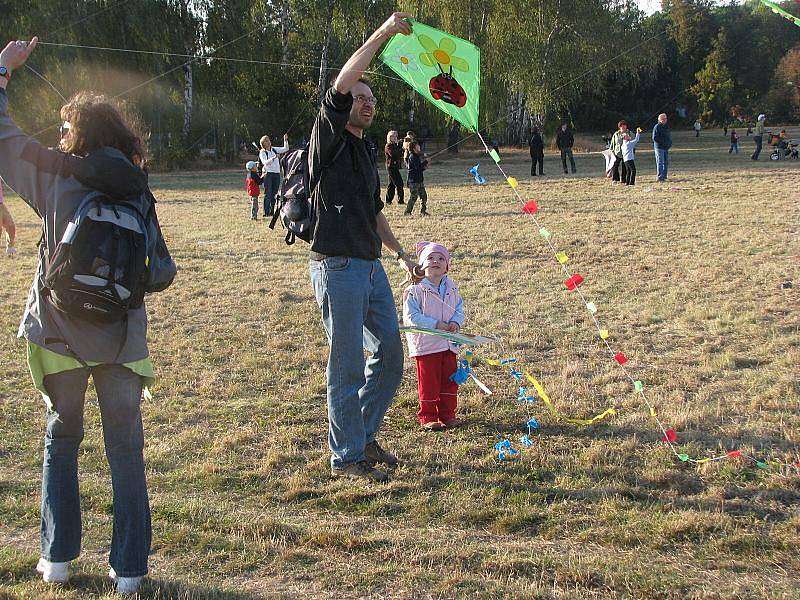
(779, 11)
(445, 69)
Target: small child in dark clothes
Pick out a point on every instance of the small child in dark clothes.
(253, 186)
(734, 142)
(416, 179)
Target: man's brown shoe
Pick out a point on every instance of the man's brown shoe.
(360, 470)
(454, 422)
(376, 454)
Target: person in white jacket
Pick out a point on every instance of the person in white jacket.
(434, 303)
(271, 170)
(628, 156)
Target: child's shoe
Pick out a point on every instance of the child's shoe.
(432, 426)
(53, 572)
(11, 250)
(127, 586)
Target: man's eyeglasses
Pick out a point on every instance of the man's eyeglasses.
(371, 100)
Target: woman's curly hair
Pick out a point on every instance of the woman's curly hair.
(98, 122)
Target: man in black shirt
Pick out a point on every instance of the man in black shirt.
(565, 140)
(350, 285)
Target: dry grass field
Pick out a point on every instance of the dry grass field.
(687, 277)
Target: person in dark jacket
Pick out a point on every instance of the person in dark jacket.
(662, 142)
(618, 173)
(536, 145)
(416, 179)
(350, 285)
(393, 154)
(100, 152)
(565, 141)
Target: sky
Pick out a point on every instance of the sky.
(649, 6)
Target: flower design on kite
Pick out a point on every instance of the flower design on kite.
(444, 86)
(406, 61)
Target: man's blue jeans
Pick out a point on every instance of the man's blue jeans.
(662, 160)
(119, 392)
(358, 313)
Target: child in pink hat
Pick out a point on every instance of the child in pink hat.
(434, 303)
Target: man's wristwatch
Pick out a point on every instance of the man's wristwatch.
(4, 72)
(401, 254)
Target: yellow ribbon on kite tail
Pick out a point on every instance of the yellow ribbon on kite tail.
(542, 393)
(545, 397)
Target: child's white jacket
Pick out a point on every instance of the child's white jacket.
(423, 307)
(629, 147)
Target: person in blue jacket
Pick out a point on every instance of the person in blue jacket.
(662, 142)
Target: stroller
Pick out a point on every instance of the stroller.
(782, 148)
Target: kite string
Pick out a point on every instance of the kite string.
(165, 73)
(639, 389)
(205, 57)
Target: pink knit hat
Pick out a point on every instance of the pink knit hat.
(425, 249)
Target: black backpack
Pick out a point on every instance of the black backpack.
(295, 206)
(110, 255)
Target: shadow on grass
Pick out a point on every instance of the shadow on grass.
(670, 487)
(23, 573)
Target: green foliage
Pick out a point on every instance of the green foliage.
(589, 61)
(714, 87)
(783, 100)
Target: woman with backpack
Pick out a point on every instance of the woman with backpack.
(106, 339)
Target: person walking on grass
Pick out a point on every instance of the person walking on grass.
(618, 169)
(662, 142)
(350, 285)
(434, 303)
(269, 157)
(417, 163)
(7, 225)
(734, 142)
(698, 126)
(565, 141)
(99, 153)
(758, 136)
(536, 145)
(393, 153)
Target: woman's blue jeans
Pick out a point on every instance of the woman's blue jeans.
(358, 313)
(119, 392)
(272, 182)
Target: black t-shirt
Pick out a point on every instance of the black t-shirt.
(348, 198)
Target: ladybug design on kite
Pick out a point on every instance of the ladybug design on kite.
(444, 87)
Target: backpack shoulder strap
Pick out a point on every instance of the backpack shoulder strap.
(312, 185)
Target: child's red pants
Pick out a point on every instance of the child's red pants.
(437, 393)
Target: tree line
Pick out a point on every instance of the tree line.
(210, 75)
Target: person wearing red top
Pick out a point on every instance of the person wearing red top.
(253, 186)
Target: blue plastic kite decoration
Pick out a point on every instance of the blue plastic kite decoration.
(478, 177)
